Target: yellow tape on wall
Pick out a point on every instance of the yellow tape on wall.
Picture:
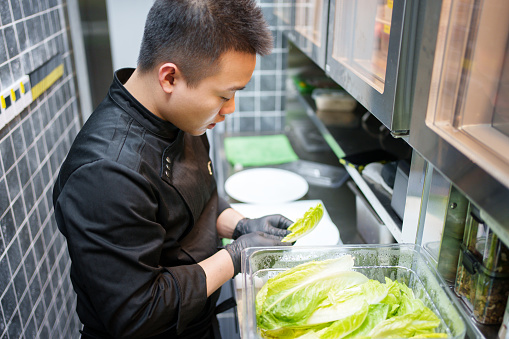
(49, 80)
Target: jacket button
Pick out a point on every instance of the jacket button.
(168, 160)
(168, 166)
(167, 173)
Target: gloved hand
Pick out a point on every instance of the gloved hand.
(251, 240)
(274, 224)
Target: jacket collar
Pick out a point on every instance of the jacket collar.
(133, 107)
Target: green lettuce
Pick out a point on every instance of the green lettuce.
(292, 296)
(420, 322)
(329, 300)
(306, 224)
(340, 304)
(342, 327)
(376, 314)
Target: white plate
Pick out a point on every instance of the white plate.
(266, 186)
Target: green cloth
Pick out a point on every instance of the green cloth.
(259, 150)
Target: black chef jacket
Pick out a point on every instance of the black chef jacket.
(137, 203)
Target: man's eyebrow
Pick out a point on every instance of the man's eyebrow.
(235, 88)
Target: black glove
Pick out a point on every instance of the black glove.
(272, 224)
(251, 240)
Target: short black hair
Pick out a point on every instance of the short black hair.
(194, 34)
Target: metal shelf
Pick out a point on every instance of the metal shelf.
(389, 219)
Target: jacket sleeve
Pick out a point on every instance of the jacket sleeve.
(108, 214)
(222, 204)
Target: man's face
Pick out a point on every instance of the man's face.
(196, 109)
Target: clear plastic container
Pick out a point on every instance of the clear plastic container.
(333, 100)
(483, 273)
(492, 279)
(407, 263)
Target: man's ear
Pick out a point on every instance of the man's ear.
(169, 75)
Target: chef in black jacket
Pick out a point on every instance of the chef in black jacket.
(136, 198)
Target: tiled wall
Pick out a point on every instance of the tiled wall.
(260, 106)
(36, 296)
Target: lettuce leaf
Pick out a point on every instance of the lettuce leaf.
(292, 296)
(306, 224)
(405, 326)
(376, 314)
(340, 328)
(341, 304)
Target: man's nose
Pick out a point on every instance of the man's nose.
(228, 107)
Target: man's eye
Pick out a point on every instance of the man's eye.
(226, 99)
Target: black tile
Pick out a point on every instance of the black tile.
(16, 10)
(24, 238)
(9, 302)
(37, 121)
(18, 209)
(39, 248)
(25, 309)
(47, 233)
(268, 103)
(14, 255)
(37, 182)
(17, 70)
(5, 13)
(43, 209)
(13, 183)
(52, 257)
(35, 288)
(45, 333)
(32, 31)
(28, 132)
(8, 227)
(6, 75)
(43, 273)
(41, 148)
(20, 283)
(3, 51)
(15, 328)
(40, 311)
(39, 55)
(26, 63)
(17, 142)
(27, 7)
(47, 22)
(2, 325)
(46, 174)
(33, 223)
(40, 27)
(30, 265)
(36, 6)
(2, 247)
(24, 173)
(10, 41)
(31, 330)
(268, 82)
(246, 104)
(52, 315)
(268, 62)
(5, 274)
(7, 153)
(28, 196)
(4, 199)
(56, 20)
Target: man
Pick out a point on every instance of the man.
(136, 198)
